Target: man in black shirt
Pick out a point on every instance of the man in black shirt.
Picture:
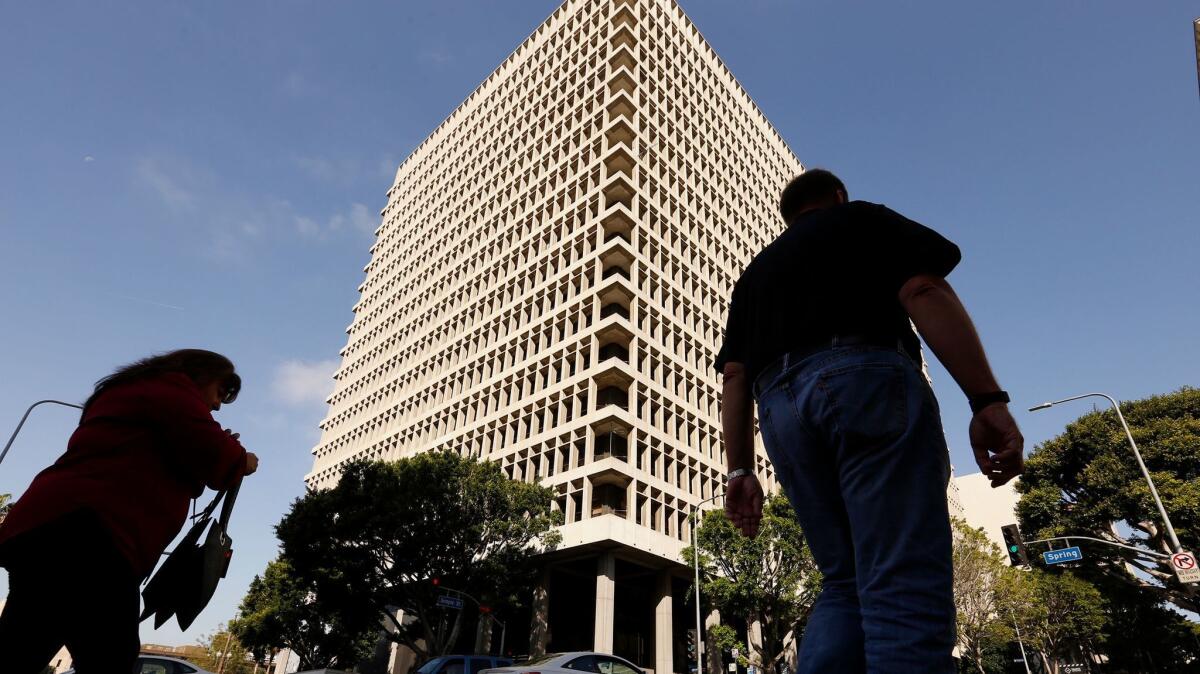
(819, 334)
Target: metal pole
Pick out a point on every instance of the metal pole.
(26, 416)
(1175, 546)
(503, 633)
(1019, 642)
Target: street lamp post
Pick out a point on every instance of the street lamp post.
(25, 416)
(696, 570)
(1175, 546)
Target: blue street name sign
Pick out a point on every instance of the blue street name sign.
(1064, 555)
(449, 601)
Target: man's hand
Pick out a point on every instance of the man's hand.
(997, 443)
(744, 504)
(251, 462)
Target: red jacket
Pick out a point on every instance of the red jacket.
(142, 451)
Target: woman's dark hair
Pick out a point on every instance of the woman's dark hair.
(200, 366)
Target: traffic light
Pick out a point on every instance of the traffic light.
(691, 643)
(436, 581)
(1017, 555)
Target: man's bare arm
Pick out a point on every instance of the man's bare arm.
(743, 495)
(943, 321)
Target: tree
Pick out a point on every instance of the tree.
(380, 539)
(5, 505)
(281, 610)
(1060, 614)
(982, 599)
(1145, 636)
(1086, 482)
(224, 653)
(770, 578)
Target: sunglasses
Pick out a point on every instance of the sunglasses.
(230, 388)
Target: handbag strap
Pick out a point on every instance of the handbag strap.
(227, 507)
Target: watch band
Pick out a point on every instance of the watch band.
(740, 472)
(982, 400)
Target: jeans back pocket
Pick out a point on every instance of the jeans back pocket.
(868, 402)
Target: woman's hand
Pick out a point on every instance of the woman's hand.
(251, 462)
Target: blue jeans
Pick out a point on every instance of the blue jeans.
(856, 440)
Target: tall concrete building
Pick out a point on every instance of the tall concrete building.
(548, 290)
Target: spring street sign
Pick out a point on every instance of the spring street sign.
(449, 601)
(1072, 554)
(1184, 564)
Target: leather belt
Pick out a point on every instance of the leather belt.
(770, 372)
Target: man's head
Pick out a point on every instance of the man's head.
(813, 189)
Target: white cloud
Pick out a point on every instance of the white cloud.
(297, 85)
(301, 383)
(359, 217)
(154, 175)
(89, 158)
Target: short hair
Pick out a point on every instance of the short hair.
(811, 187)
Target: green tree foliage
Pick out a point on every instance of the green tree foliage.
(1060, 615)
(1143, 636)
(982, 597)
(1086, 482)
(376, 541)
(5, 505)
(282, 610)
(224, 653)
(771, 578)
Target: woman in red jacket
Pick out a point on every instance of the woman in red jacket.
(93, 525)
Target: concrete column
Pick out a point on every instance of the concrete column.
(606, 585)
(754, 641)
(539, 629)
(712, 662)
(791, 652)
(483, 635)
(664, 652)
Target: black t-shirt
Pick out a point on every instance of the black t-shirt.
(834, 271)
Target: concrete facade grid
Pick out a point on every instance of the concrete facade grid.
(550, 279)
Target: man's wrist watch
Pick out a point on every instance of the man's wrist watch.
(740, 472)
(982, 400)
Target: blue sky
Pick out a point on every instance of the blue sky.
(182, 174)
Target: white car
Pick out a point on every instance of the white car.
(570, 663)
(157, 664)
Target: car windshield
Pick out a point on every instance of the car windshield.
(533, 662)
(431, 666)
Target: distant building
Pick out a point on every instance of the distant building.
(987, 508)
(548, 290)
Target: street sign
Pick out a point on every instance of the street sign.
(1184, 564)
(1073, 554)
(449, 601)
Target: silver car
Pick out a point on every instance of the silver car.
(158, 664)
(570, 663)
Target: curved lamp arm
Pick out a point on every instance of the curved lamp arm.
(25, 416)
(1162, 511)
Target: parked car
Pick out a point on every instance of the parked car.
(158, 664)
(462, 664)
(570, 663)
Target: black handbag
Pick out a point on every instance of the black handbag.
(186, 581)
